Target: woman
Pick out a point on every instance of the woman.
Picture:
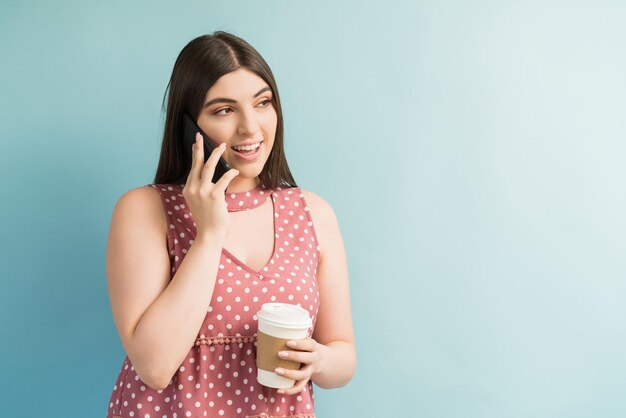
(190, 262)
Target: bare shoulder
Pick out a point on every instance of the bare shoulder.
(324, 221)
(321, 211)
(144, 201)
(142, 193)
(145, 197)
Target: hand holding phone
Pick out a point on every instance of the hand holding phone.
(190, 128)
(206, 199)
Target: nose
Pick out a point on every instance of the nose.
(248, 125)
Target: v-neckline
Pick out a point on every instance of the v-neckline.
(266, 266)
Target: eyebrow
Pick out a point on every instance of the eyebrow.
(227, 100)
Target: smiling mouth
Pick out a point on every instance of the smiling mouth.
(248, 151)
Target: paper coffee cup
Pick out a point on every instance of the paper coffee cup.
(278, 323)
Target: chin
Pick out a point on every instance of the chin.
(248, 172)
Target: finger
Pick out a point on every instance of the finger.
(306, 344)
(296, 388)
(209, 168)
(307, 357)
(291, 391)
(197, 155)
(225, 180)
(303, 373)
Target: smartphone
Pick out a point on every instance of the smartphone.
(190, 128)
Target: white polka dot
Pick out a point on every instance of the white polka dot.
(235, 303)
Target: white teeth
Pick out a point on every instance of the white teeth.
(247, 147)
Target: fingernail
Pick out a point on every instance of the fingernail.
(282, 353)
(291, 343)
(280, 391)
(198, 136)
(223, 144)
(280, 371)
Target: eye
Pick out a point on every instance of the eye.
(265, 103)
(218, 112)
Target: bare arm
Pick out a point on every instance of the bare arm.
(157, 320)
(339, 365)
(333, 328)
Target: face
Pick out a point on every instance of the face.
(237, 109)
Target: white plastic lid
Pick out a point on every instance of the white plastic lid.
(285, 315)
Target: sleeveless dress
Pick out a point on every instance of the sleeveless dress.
(218, 376)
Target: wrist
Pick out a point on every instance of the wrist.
(322, 351)
(209, 238)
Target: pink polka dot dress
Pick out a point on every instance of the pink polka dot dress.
(218, 376)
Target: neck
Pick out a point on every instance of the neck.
(238, 184)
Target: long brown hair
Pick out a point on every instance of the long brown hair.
(198, 66)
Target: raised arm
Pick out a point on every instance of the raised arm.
(157, 320)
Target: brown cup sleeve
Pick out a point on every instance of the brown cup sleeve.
(267, 357)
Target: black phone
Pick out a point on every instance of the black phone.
(190, 128)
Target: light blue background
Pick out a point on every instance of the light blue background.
(474, 153)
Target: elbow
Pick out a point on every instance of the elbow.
(159, 386)
(151, 372)
(154, 378)
(161, 379)
(351, 369)
(156, 382)
(350, 373)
